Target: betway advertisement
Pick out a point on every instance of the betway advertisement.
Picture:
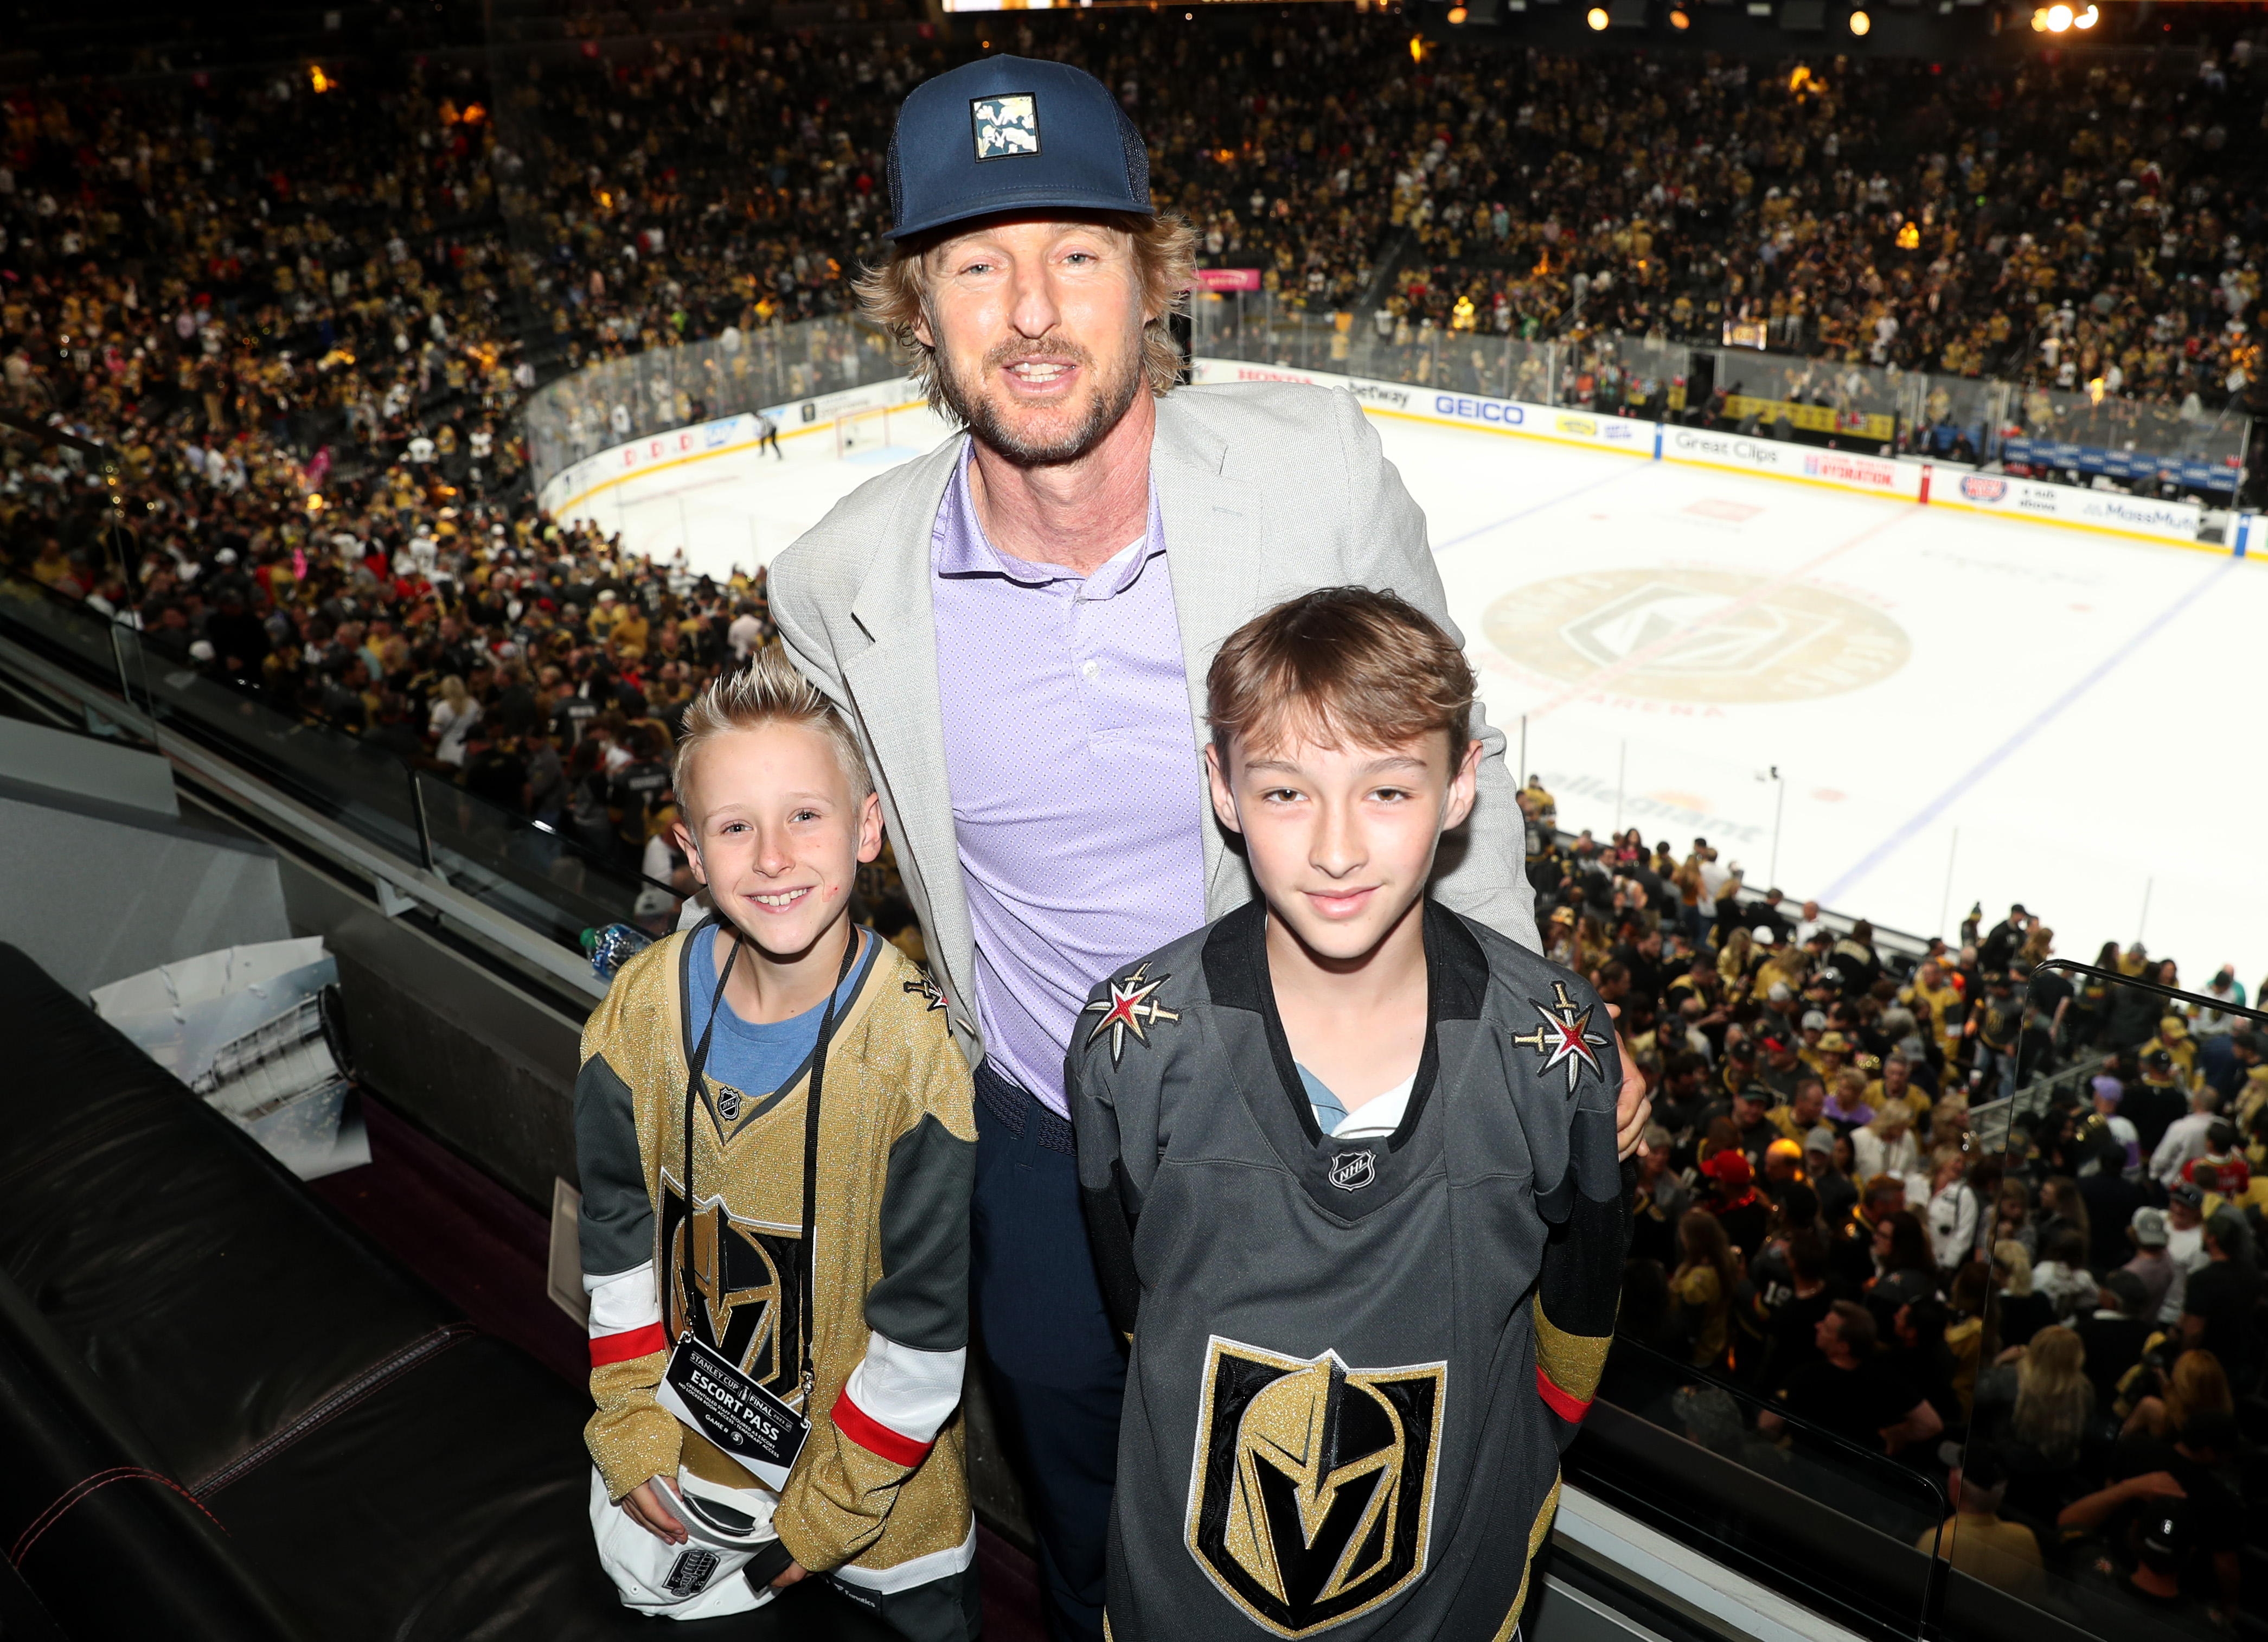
(1431, 404)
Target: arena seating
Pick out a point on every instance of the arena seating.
(228, 1417)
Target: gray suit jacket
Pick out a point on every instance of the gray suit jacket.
(1268, 490)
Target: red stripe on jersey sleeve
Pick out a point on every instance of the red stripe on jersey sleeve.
(874, 1437)
(1567, 1408)
(619, 1348)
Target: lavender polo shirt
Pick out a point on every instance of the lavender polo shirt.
(1069, 752)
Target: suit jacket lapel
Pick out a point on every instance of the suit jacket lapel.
(1215, 538)
(894, 685)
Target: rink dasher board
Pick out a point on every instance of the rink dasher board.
(722, 435)
(1903, 479)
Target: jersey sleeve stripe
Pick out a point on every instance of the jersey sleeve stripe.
(620, 1348)
(1567, 1408)
(876, 1438)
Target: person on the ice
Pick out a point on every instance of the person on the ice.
(1348, 1159)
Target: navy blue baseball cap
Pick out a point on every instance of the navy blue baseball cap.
(1012, 134)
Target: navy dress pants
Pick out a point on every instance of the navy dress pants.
(1052, 1365)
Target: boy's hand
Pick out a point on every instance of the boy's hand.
(644, 1505)
(1632, 1110)
(788, 1575)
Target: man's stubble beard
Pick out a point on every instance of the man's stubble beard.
(1112, 396)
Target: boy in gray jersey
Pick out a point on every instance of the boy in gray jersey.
(1348, 1159)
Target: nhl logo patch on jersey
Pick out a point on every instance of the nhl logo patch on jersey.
(728, 1103)
(1311, 1498)
(1006, 126)
(1564, 1037)
(1351, 1171)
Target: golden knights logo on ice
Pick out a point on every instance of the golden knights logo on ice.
(1312, 1491)
(736, 1290)
(1006, 126)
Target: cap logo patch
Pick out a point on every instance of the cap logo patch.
(1006, 126)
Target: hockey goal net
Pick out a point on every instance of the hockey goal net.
(860, 431)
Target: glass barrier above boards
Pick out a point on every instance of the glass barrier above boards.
(561, 882)
(1837, 1525)
(2085, 435)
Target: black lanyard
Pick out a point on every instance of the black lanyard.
(808, 1273)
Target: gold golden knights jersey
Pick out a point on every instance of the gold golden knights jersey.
(1354, 1362)
(878, 1496)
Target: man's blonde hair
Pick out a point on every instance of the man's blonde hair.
(768, 691)
(895, 295)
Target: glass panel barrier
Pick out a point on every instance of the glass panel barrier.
(344, 779)
(1968, 420)
(531, 873)
(613, 401)
(1845, 1531)
(505, 860)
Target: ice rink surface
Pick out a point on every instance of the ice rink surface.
(1959, 709)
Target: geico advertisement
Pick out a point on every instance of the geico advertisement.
(1550, 422)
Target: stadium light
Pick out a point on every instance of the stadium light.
(2087, 18)
(1456, 14)
(1596, 17)
(1861, 22)
(2058, 19)
(1679, 20)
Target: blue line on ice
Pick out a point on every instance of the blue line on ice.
(1833, 893)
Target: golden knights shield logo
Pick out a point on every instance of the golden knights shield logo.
(735, 1289)
(1311, 1496)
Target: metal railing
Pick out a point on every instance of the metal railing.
(2092, 433)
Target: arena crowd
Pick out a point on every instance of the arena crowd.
(1829, 1221)
(306, 320)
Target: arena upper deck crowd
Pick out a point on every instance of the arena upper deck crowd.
(306, 321)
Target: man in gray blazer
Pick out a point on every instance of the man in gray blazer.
(1019, 625)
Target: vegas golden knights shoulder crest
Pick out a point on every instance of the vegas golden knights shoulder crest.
(736, 1290)
(1311, 1494)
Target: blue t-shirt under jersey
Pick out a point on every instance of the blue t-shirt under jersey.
(758, 1059)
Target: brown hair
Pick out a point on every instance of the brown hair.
(1855, 1324)
(1341, 664)
(768, 690)
(895, 295)
(2198, 1385)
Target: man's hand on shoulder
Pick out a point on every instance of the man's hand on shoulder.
(1633, 1108)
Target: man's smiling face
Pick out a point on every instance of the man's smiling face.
(1037, 327)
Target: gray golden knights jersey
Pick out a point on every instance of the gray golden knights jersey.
(1354, 1363)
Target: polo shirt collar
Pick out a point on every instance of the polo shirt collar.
(963, 549)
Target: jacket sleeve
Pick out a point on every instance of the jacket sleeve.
(887, 1416)
(1110, 1202)
(632, 1436)
(1483, 871)
(795, 614)
(1581, 1286)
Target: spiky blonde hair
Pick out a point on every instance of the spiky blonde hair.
(768, 690)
